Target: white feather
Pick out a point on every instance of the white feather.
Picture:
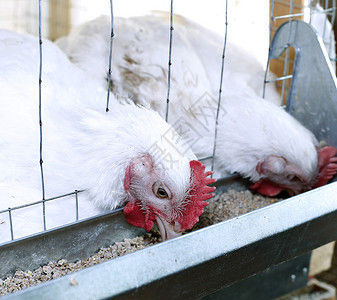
(250, 129)
(83, 146)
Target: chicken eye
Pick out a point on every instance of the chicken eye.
(161, 193)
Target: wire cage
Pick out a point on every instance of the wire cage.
(54, 19)
(320, 15)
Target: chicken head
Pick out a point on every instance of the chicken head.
(278, 174)
(152, 198)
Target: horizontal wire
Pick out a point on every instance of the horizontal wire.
(12, 241)
(279, 78)
(327, 11)
(40, 202)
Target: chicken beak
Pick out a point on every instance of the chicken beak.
(167, 230)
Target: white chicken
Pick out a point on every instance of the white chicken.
(129, 155)
(255, 138)
(140, 59)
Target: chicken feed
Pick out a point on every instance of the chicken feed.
(222, 207)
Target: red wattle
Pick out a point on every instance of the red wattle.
(137, 217)
(266, 188)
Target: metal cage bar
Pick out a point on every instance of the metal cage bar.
(286, 76)
(40, 119)
(220, 88)
(110, 55)
(169, 63)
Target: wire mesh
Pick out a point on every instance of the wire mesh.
(10, 210)
(294, 11)
(314, 12)
(43, 202)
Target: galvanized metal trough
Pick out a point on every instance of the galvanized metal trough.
(242, 258)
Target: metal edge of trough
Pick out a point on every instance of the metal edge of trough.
(207, 260)
(72, 242)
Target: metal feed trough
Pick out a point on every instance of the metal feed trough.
(217, 262)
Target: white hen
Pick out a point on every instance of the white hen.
(255, 138)
(140, 58)
(127, 156)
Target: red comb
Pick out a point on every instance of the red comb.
(327, 164)
(198, 193)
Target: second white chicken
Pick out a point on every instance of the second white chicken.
(257, 139)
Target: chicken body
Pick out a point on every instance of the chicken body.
(128, 156)
(255, 138)
(139, 69)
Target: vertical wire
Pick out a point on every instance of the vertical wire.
(76, 198)
(286, 59)
(169, 63)
(333, 17)
(40, 120)
(220, 88)
(10, 222)
(110, 55)
(269, 51)
(326, 6)
(330, 38)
